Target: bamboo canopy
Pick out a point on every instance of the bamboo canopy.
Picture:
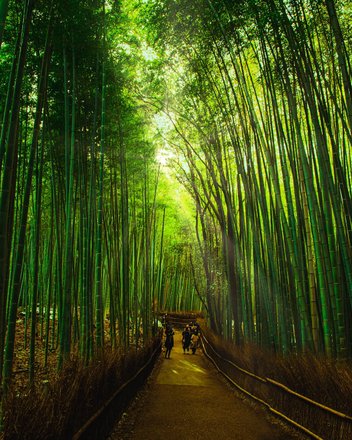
(175, 155)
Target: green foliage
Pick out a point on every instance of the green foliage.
(255, 88)
(82, 221)
(174, 155)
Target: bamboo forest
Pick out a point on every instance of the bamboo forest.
(173, 155)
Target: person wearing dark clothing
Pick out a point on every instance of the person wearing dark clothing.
(196, 328)
(164, 319)
(169, 340)
(186, 338)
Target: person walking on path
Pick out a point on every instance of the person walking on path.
(194, 342)
(196, 328)
(186, 338)
(169, 341)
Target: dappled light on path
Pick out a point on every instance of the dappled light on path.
(188, 400)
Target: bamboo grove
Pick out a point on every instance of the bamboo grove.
(261, 115)
(250, 101)
(81, 226)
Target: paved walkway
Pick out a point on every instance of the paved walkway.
(187, 400)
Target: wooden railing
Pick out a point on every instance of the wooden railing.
(313, 418)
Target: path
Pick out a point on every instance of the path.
(187, 400)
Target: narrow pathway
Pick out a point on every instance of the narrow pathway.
(187, 400)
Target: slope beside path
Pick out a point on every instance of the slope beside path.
(187, 400)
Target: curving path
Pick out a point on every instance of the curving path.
(188, 400)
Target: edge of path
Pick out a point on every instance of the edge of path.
(124, 427)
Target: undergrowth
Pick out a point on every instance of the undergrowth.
(324, 380)
(58, 410)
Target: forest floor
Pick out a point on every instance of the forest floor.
(44, 371)
(46, 364)
(186, 398)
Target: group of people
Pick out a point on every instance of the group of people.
(190, 338)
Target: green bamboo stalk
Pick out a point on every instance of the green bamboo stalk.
(66, 317)
(36, 239)
(98, 254)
